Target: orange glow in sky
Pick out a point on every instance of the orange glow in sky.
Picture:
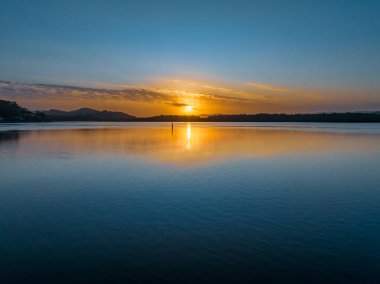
(172, 96)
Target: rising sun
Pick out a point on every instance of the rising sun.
(188, 108)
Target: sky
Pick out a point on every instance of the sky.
(191, 57)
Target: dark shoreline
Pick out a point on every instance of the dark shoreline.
(12, 112)
(180, 121)
(319, 118)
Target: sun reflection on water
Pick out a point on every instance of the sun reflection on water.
(187, 144)
(188, 135)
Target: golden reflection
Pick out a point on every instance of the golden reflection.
(188, 132)
(190, 144)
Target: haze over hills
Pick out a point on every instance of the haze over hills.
(87, 114)
(12, 112)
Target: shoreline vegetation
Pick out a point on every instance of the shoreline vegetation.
(12, 112)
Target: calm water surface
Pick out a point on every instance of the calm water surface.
(204, 203)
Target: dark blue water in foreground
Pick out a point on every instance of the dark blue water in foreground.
(238, 203)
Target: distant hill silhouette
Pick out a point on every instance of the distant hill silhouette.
(303, 117)
(87, 114)
(173, 118)
(12, 112)
(267, 117)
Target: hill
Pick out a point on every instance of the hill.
(12, 112)
(87, 114)
(269, 117)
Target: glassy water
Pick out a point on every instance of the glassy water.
(204, 203)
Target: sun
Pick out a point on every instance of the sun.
(188, 108)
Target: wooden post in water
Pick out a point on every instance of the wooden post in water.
(172, 127)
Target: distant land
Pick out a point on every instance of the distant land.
(12, 112)
(87, 114)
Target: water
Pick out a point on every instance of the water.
(206, 203)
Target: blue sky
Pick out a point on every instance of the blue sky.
(293, 44)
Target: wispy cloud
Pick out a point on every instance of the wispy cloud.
(177, 104)
(47, 91)
(168, 95)
(171, 96)
(265, 87)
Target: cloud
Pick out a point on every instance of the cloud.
(178, 104)
(266, 87)
(170, 96)
(167, 95)
(44, 91)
